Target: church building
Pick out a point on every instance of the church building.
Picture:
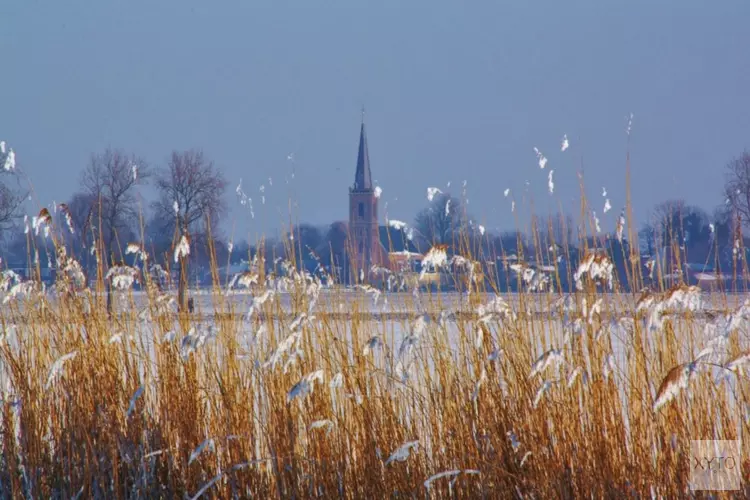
(365, 246)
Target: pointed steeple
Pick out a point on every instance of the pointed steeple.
(363, 177)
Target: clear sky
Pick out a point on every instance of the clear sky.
(453, 91)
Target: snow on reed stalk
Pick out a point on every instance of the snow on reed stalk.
(286, 385)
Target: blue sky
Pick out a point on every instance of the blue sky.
(454, 91)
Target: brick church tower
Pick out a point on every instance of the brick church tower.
(364, 247)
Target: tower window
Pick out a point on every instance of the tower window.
(361, 209)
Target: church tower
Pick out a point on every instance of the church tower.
(363, 215)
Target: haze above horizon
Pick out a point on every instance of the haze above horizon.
(272, 92)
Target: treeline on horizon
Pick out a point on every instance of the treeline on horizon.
(192, 195)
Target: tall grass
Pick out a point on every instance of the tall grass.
(314, 395)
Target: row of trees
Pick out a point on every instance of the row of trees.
(110, 211)
(11, 193)
(190, 199)
(713, 239)
(689, 227)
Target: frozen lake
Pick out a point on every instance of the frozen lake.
(343, 301)
(405, 350)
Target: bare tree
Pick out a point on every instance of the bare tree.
(675, 221)
(82, 209)
(11, 197)
(724, 223)
(439, 222)
(197, 188)
(553, 231)
(10, 203)
(737, 185)
(302, 239)
(647, 240)
(191, 199)
(333, 249)
(560, 229)
(678, 234)
(110, 180)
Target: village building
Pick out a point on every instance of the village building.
(371, 245)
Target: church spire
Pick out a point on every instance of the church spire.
(363, 177)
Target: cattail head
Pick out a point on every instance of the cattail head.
(9, 163)
(542, 159)
(431, 192)
(182, 249)
(138, 250)
(68, 217)
(122, 276)
(676, 380)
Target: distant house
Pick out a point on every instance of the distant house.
(405, 260)
(396, 240)
(401, 251)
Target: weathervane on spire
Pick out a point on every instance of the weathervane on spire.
(363, 113)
